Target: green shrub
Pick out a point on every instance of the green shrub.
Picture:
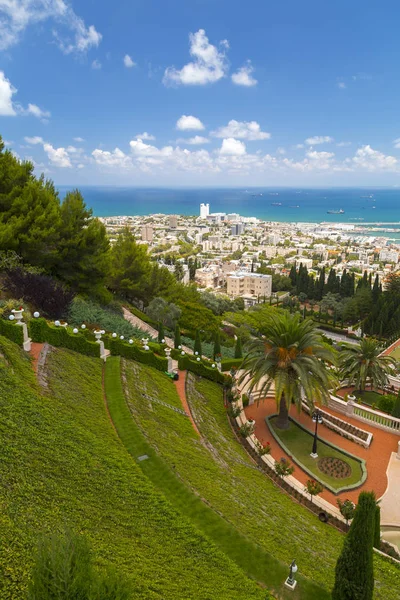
(12, 331)
(132, 351)
(90, 313)
(396, 407)
(386, 403)
(245, 400)
(41, 331)
(185, 363)
(228, 363)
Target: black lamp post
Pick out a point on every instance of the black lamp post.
(317, 418)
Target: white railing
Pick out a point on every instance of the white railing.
(362, 437)
(376, 418)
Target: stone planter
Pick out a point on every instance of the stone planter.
(18, 314)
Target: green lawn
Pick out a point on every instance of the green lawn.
(396, 353)
(300, 442)
(367, 397)
(217, 469)
(63, 465)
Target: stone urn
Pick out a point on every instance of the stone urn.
(97, 334)
(17, 312)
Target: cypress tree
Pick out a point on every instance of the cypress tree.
(354, 574)
(293, 276)
(217, 346)
(197, 343)
(376, 290)
(238, 348)
(352, 286)
(377, 532)
(321, 284)
(160, 332)
(177, 339)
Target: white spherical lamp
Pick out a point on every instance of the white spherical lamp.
(213, 365)
(11, 317)
(114, 335)
(121, 337)
(198, 359)
(75, 330)
(179, 347)
(57, 323)
(131, 341)
(83, 326)
(183, 354)
(36, 314)
(146, 348)
(163, 341)
(196, 353)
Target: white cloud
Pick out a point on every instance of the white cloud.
(193, 141)
(128, 62)
(281, 151)
(96, 64)
(74, 150)
(396, 143)
(116, 158)
(17, 15)
(37, 112)
(145, 136)
(208, 66)
(7, 90)
(34, 140)
(373, 160)
(341, 85)
(232, 147)
(243, 76)
(186, 122)
(243, 130)
(318, 139)
(79, 140)
(57, 156)
(343, 144)
(299, 146)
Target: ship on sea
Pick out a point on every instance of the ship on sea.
(336, 212)
(276, 203)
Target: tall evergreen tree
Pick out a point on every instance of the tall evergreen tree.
(177, 338)
(161, 336)
(377, 530)
(354, 575)
(376, 289)
(320, 285)
(130, 267)
(217, 346)
(197, 343)
(293, 275)
(238, 348)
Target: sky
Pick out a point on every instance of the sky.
(202, 92)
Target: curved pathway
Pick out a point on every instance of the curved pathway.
(377, 456)
(181, 389)
(35, 353)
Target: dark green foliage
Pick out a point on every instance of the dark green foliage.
(132, 351)
(43, 292)
(108, 318)
(130, 268)
(197, 343)
(161, 311)
(217, 347)
(396, 406)
(228, 363)
(377, 530)
(354, 575)
(177, 338)
(185, 363)
(12, 331)
(347, 508)
(41, 331)
(238, 348)
(161, 336)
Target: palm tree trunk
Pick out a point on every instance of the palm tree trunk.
(282, 422)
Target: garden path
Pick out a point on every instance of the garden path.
(377, 456)
(390, 502)
(136, 322)
(35, 352)
(181, 389)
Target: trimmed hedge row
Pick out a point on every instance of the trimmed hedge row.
(132, 351)
(11, 331)
(41, 331)
(185, 363)
(228, 363)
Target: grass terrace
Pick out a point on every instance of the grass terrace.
(332, 468)
(260, 527)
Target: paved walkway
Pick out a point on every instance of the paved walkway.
(136, 322)
(377, 456)
(390, 502)
(35, 352)
(181, 389)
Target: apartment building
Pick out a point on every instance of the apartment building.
(244, 284)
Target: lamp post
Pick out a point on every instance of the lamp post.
(291, 581)
(317, 418)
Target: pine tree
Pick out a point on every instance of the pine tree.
(217, 346)
(197, 343)
(177, 339)
(354, 575)
(238, 348)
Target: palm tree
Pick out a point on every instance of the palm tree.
(363, 361)
(293, 357)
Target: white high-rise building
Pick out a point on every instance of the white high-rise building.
(204, 210)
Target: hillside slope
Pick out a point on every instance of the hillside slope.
(62, 464)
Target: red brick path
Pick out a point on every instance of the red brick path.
(376, 456)
(35, 353)
(180, 388)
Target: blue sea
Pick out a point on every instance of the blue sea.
(360, 205)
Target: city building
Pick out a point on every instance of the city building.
(147, 233)
(173, 221)
(207, 277)
(306, 262)
(249, 284)
(386, 255)
(204, 210)
(237, 229)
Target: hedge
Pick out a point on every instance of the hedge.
(228, 363)
(12, 331)
(185, 363)
(132, 351)
(41, 331)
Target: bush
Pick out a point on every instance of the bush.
(228, 363)
(132, 351)
(90, 313)
(396, 407)
(41, 331)
(185, 363)
(12, 331)
(245, 400)
(386, 403)
(43, 292)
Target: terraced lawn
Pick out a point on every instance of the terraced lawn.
(62, 464)
(218, 469)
